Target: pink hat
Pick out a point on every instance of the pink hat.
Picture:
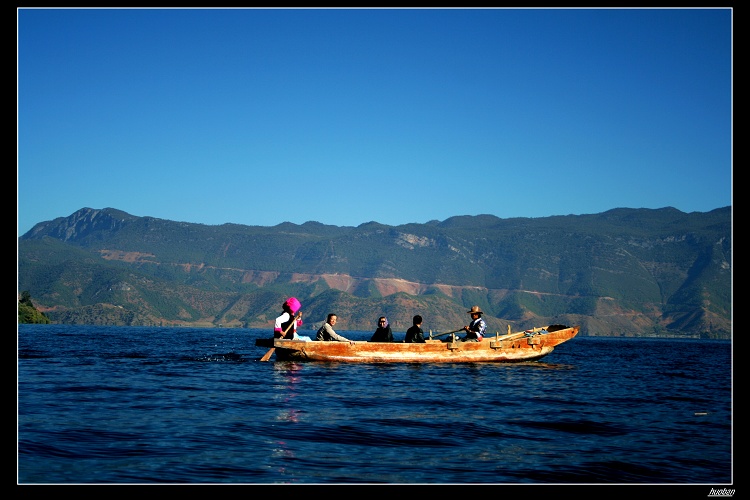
(293, 304)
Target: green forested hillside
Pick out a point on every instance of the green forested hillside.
(621, 272)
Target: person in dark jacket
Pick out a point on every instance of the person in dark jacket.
(383, 333)
(415, 334)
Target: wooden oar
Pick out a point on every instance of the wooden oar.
(270, 352)
(446, 333)
(511, 336)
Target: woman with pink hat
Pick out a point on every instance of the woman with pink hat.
(289, 320)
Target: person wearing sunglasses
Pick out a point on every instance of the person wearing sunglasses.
(383, 333)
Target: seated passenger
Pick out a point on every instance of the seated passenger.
(415, 334)
(383, 333)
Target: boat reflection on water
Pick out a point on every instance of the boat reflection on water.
(547, 366)
(286, 378)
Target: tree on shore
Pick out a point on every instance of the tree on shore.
(27, 313)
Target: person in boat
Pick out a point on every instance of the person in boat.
(290, 308)
(415, 334)
(476, 329)
(326, 332)
(383, 333)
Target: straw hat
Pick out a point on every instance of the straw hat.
(475, 310)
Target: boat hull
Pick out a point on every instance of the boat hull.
(521, 346)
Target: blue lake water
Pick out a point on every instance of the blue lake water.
(140, 405)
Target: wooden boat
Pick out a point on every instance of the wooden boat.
(527, 345)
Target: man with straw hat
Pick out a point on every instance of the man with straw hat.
(475, 330)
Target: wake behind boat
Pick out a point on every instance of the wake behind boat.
(528, 345)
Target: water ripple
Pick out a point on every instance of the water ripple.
(109, 405)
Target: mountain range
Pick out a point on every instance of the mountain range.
(623, 272)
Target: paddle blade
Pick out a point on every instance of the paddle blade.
(267, 355)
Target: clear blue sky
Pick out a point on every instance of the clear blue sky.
(345, 116)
